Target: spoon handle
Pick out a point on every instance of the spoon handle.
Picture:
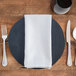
(75, 57)
(75, 60)
(69, 60)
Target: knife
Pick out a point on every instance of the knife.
(69, 59)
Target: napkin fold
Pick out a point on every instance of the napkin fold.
(38, 41)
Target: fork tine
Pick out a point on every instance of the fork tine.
(4, 29)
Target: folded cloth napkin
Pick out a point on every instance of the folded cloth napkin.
(38, 48)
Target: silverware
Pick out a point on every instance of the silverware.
(4, 37)
(75, 57)
(69, 59)
(74, 36)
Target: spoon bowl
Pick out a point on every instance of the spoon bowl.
(74, 33)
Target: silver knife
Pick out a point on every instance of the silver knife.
(69, 59)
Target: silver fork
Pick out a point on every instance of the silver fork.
(4, 37)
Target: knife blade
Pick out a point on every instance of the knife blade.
(69, 59)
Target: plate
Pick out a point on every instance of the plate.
(16, 41)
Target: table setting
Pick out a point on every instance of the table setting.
(18, 40)
(15, 54)
(38, 42)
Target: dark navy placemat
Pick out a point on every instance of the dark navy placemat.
(16, 41)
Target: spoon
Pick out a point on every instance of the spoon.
(74, 36)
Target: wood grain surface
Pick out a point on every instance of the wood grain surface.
(13, 10)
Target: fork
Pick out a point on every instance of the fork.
(4, 37)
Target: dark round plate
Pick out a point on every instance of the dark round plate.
(16, 41)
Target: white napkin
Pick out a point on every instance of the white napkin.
(38, 48)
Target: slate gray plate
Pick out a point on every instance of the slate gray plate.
(16, 41)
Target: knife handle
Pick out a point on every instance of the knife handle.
(69, 60)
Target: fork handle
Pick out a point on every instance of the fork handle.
(4, 61)
(69, 60)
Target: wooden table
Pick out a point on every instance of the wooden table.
(13, 10)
